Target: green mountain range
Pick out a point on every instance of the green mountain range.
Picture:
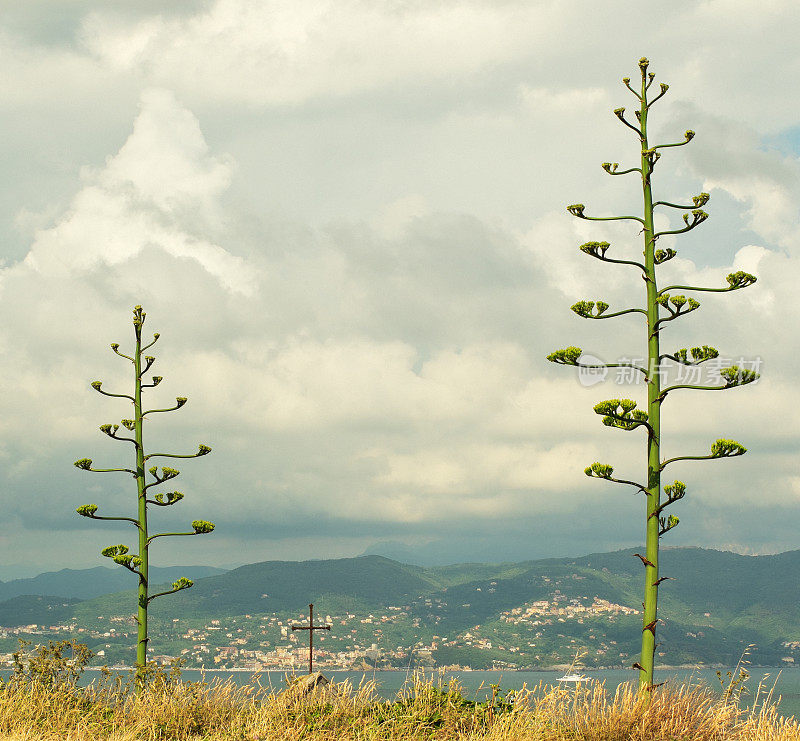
(528, 614)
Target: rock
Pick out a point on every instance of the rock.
(308, 683)
(309, 686)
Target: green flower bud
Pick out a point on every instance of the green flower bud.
(84, 463)
(182, 583)
(86, 510)
(698, 217)
(181, 400)
(172, 497)
(727, 449)
(203, 449)
(114, 550)
(704, 353)
(607, 407)
(583, 308)
(201, 526)
(576, 209)
(96, 385)
(567, 356)
(667, 523)
(597, 249)
(736, 376)
(675, 491)
(599, 470)
(740, 279)
(664, 255)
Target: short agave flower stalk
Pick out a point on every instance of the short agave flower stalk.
(138, 563)
(662, 306)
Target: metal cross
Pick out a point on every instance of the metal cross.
(311, 628)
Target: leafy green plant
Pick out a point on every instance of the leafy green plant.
(662, 306)
(48, 665)
(138, 563)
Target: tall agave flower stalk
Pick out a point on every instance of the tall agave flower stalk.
(662, 307)
(139, 563)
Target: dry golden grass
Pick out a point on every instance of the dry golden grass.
(173, 709)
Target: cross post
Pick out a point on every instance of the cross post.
(311, 628)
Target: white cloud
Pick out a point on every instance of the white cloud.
(160, 190)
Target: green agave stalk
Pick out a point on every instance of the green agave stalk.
(139, 563)
(662, 307)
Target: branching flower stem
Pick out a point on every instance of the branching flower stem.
(629, 418)
(139, 563)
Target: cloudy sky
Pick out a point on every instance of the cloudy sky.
(347, 221)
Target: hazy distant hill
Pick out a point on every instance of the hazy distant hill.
(28, 609)
(718, 603)
(88, 583)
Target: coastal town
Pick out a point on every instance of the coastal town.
(525, 635)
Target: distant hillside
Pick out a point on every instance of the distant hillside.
(88, 583)
(717, 604)
(277, 586)
(29, 609)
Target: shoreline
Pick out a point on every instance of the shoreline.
(560, 668)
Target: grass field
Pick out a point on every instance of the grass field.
(41, 709)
